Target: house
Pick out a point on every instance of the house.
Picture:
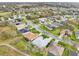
(42, 20)
(5, 9)
(21, 26)
(76, 45)
(17, 16)
(24, 30)
(56, 50)
(71, 53)
(53, 25)
(40, 42)
(64, 32)
(18, 23)
(77, 34)
(50, 27)
(50, 54)
(11, 20)
(30, 36)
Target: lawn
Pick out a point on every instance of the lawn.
(23, 19)
(6, 51)
(4, 13)
(73, 38)
(66, 52)
(67, 46)
(74, 25)
(8, 33)
(34, 31)
(20, 44)
(54, 31)
(35, 51)
(45, 36)
(27, 47)
(29, 26)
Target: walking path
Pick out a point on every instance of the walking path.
(14, 49)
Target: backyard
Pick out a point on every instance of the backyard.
(54, 31)
(67, 46)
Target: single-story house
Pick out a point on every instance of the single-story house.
(17, 16)
(21, 26)
(50, 27)
(42, 20)
(24, 30)
(56, 50)
(18, 23)
(64, 32)
(77, 34)
(71, 53)
(53, 25)
(40, 42)
(50, 54)
(30, 36)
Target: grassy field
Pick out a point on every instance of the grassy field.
(4, 13)
(7, 34)
(6, 51)
(20, 44)
(28, 48)
(23, 19)
(74, 25)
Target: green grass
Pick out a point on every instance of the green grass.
(45, 36)
(50, 42)
(74, 25)
(9, 34)
(26, 46)
(20, 44)
(23, 19)
(35, 51)
(35, 21)
(4, 13)
(29, 27)
(73, 37)
(7, 51)
(54, 31)
(34, 31)
(67, 46)
(66, 52)
(77, 26)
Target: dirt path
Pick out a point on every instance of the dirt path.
(24, 54)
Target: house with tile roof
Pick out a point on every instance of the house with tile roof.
(30, 36)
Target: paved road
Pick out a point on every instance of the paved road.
(43, 31)
(57, 39)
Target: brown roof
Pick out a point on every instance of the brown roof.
(30, 36)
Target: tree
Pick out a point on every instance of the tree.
(35, 51)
